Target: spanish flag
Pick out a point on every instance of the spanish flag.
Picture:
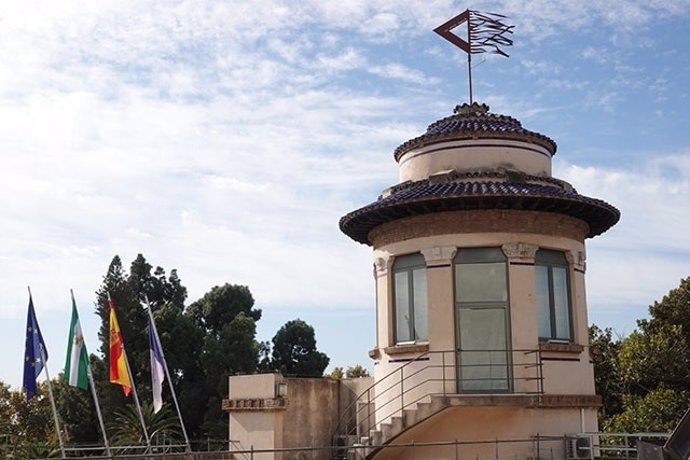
(119, 373)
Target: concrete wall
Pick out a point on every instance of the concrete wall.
(304, 415)
(311, 416)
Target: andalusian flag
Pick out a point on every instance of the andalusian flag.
(77, 364)
(119, 373)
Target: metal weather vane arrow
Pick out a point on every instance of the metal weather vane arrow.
(486, 33)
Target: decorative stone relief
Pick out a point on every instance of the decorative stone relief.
(253, 404)
(520, 252)
(577, 259)
(381, 265)
(439, 254)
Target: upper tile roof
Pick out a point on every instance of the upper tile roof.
(475, 121)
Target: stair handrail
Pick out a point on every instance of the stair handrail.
(349, 414)
(367, 392)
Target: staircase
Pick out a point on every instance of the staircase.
(413, 393)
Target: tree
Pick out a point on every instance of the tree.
(645, 377)
(162, 427)
(657, 411)
(337, 373)
(77, 411)
(295, 353)
(227, 318)
(27, 426)
(356, 371)
(607, 379)
(203, 343)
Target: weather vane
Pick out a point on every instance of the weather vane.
(486, 33)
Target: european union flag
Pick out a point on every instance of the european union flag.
(35, 353)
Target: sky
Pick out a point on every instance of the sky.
(225, 139)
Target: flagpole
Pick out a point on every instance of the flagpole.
(98, 411)
(44, 359)
(167, 373)
(134, 390)
(136, 400)
(95, 396)
(469, 57)
(52, 404)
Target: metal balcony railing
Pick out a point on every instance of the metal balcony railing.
(450, 372)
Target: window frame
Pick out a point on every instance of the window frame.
(482, 255)
(550, 258)
(408, 264)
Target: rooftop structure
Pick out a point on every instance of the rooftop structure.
(481, 319)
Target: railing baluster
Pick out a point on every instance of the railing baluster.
(402, 391)
(443, 368)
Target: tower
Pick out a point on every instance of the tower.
(481, 319)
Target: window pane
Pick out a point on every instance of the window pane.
(483, 282)
(420, 306)
(483, 356)
(560, 300)
(542, 288)
(402, 307)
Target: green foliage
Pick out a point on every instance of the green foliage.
(77, 412)
(162, 427)
(607, 379)
(203, 343)
(337, 373)
(295, 353)
(644, 379)
(654, 359)
(227, 319)
(356, 371)
(657, 411)
(673, 309)
(27, 429)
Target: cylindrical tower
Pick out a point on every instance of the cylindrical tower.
(479, 261)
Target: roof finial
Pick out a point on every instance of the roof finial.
(485, 34)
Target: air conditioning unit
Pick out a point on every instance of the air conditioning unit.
(579, 448)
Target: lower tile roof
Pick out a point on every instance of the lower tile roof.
(425, 197)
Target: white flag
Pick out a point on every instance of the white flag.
(157, 373)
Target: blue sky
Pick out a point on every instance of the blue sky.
(226, 139)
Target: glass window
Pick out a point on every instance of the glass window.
(410, 294)
(553, 295)
(481, 300)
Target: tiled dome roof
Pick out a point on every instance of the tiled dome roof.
(478, 191)
(475, 121)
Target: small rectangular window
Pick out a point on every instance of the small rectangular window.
(410, 294)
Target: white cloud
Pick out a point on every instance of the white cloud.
(226, 139)
(647, 252)
(401, 72)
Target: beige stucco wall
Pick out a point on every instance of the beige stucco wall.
(479, 154)
(484, 425)
(311, 415)
(520, 233)
(313, 407)
(255, 429)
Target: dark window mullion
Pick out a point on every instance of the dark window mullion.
(410, 293)
(552, 302)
